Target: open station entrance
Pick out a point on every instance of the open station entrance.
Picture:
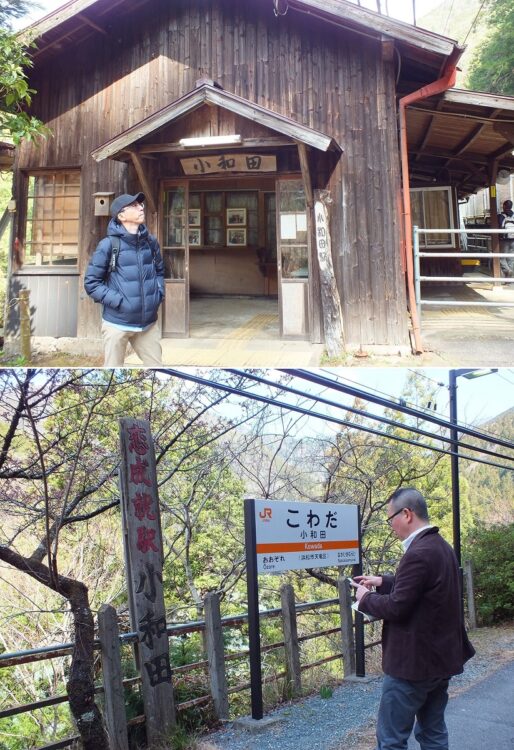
(224, 265)
(233, 209)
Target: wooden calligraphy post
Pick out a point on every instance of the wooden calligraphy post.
(332, 313)
(143, 551)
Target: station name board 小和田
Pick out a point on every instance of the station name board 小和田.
(292, 536)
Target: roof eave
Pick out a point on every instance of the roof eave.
(211, 95)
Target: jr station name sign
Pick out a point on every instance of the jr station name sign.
(292, 536)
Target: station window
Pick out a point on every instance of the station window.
(52, 222)
(432, 208)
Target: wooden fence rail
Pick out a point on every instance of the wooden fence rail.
(110, 642)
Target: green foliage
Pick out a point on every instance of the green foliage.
(492, 68)
(15, 94)
(490, 550)
(366, 469)
(491, 489)
(326, 691)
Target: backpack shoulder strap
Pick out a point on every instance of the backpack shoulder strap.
(152, 241)
(115, 251)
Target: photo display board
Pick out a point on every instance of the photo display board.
(292, 536)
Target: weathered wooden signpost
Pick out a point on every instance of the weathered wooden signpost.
(292, 536)
(332, 313)
(144, 560)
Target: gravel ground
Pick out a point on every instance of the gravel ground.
(346, 719)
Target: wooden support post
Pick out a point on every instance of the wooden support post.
(294, 676)
(137, 161)
(470, 593)
(216, 655)
(492, 169)
(115, 716)
(24, 302)
(347, 637)
(315, 309)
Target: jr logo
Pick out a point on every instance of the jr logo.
(265, 514)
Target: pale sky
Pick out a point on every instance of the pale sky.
(478, 400)
(401, 9)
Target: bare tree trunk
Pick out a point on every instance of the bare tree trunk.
(81, 683)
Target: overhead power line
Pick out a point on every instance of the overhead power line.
(388, 404)
(187, 375)
(474, 22)
(363, 413)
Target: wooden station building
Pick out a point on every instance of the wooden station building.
(233, 117)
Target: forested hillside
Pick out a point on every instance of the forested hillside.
(487, 30)
(491, 491)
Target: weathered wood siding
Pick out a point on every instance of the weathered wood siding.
(330, 80)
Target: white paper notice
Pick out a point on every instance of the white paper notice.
(287, 226)
(301, 222)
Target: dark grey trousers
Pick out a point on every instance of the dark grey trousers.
(404, 702)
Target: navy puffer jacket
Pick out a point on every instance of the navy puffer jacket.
(132, 293)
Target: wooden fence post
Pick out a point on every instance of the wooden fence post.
(294, 676)
(115, 715)
(347, 636)
(470, 591)
(24, 303)
(216, 655)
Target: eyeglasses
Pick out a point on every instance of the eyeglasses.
(390, 518)
(135, 204)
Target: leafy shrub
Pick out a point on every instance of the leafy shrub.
(490, 550)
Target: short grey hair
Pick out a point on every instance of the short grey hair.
(408, 497)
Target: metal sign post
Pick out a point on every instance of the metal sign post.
(282, 536)
(253, 609)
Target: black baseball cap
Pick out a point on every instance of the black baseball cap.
(122, 201)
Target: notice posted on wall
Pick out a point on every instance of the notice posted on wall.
(293, 536)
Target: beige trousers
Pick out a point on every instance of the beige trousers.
(146, 344)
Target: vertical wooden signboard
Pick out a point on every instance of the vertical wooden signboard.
(143, 551)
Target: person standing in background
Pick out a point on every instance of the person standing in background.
(506, 221)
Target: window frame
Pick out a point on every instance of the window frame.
(424, 239)
(29, 262)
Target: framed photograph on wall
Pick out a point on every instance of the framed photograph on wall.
(236, 217)
(194, 236)
(194, 216)
(236, 236)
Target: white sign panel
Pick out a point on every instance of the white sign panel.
(291, 536)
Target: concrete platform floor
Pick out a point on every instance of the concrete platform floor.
(236, 332)
(469, 335)
(244, 332)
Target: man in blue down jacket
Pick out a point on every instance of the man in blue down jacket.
(126, 274)
(423, 638)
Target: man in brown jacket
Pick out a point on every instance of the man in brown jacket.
(423, 638)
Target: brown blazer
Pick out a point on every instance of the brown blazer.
(423, 632)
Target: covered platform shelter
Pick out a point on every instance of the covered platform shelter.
(463, 140)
